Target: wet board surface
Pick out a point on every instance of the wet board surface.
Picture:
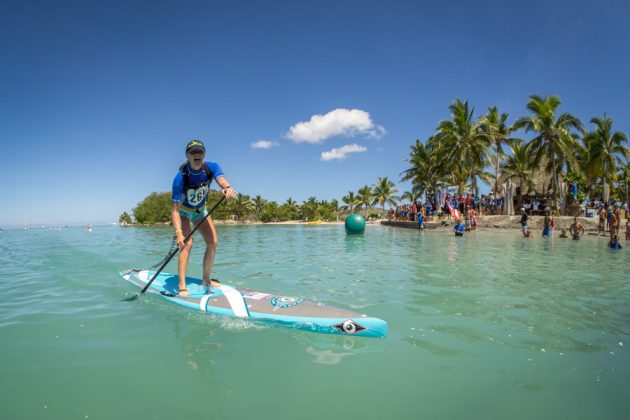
(263, 307)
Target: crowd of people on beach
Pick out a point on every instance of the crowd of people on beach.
(464, 210)
(609, 221)
(491, 204)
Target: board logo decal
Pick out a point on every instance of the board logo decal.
(349, 327)
(256, 295)
(284, 302)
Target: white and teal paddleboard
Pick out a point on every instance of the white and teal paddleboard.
(261, 307)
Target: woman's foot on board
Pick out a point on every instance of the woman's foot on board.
(209, 285)
(183, 293)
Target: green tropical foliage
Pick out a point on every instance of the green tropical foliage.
(384, 192)
(462, 149)
(425, 172)
(496, 127)
(259, 206)
(463, 146)
(604, 151)
(350, 201)
(411, 196)
(621, 190)
(242, 206)
(555, 139)
(365, 197)
(124, 218)
(519, 166)
(156, 208)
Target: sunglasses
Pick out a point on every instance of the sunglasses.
(196, 152)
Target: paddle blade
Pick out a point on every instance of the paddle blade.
(132, 298)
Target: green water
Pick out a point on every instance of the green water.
(489, 326)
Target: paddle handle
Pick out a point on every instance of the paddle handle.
(176, 250)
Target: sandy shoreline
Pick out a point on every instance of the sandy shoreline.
(508, 223)
(484, 223)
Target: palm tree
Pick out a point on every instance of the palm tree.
(259, 205)
(499, 132)
(291, 208)
(519, 166)
(384, 192)
(309, 208)
(350, 200)
(462, 144)
(425, 172)
(364, 196)
(554, 139)
(624, 178)
(604, 150)
(411, 196)
(334, 206)
(459, 176)
(242, 205)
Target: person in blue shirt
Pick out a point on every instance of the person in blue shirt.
(614, 243)
(429, 208)
(189, 193)
(420, 220)
(459, 228)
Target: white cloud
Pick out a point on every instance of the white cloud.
(263, 144)
(339, 122)
(340, 153)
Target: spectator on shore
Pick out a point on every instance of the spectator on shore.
(615, 222)
(483, 209)
(473, 219)
(524, 218)
(420, 220)
(609, 213)
(576, 229)
(602, 221)
(499, 200)
(547, 223)
(617, 219)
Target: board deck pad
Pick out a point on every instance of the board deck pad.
(264, 307)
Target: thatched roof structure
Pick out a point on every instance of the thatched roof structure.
(542, 185)
(542, 181)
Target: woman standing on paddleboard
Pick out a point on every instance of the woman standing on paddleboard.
(190, 190)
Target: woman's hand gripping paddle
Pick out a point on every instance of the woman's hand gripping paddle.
(172, 254)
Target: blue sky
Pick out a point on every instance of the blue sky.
(100, 97)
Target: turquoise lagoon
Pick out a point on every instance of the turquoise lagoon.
(488, 326)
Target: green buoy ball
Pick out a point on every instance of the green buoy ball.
(355, 223)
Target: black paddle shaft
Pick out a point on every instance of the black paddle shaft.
(176, 250)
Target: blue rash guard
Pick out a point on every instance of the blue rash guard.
(193, 200)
